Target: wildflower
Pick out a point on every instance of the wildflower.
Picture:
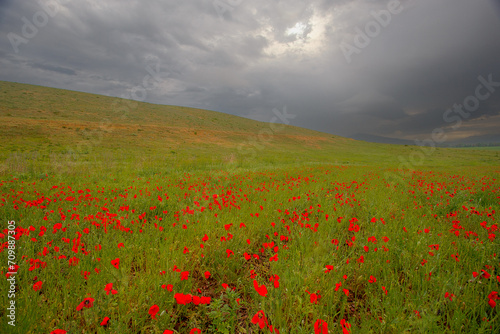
(320, 327)
(116, 263)
(449, 296)
(275, 280)
(260, 318)
(314, 297)
(153, 310)
(87, 303)
(492, 297)
(109, 288)
(345, 326)
(261, 290)
(183, 299)
(37, 286)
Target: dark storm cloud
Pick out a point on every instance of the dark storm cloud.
(53, 68)
(248, 57)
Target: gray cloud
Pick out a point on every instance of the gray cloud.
(249, 58)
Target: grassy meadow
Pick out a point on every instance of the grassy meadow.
(488, 148)
(128, 217)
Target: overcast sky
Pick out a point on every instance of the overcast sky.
(381, 67)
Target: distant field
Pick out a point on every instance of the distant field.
(137, 218)
(487, 148)
(45, 129)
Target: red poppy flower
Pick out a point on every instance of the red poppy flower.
(275, 280)
(252, 274)
(58, 331)
(205, 300)
(196, 300)
(261, 290)
(183, 299)
(109, 288)
(260, 318)
(167, 331)
(120, 245)
(492, 297)
(314, 297)
(372, 279)
(320, 327)
(485, 274)
(345, 326)
(153, 310)
(184, 275)
(116, 263)
(207, 274)
(87, 302)
(37, 286)
(105, 321)
(195, 330)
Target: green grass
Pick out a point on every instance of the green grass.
(300, 211)
(46, 129)
(486, 148)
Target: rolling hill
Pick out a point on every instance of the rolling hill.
(47, 129)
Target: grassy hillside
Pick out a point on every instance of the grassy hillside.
(45, 129)
(486, 148)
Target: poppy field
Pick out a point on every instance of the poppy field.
(289, 249)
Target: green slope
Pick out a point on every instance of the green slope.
(46, 129)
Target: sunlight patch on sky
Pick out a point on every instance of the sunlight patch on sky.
(304, 39)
